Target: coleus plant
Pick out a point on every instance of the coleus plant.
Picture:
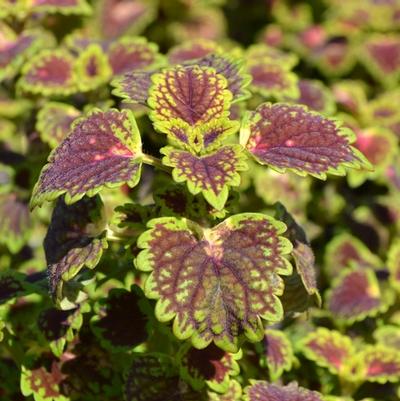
(192, 203)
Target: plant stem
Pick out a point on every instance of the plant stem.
(156, 162)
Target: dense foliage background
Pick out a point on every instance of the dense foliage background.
(78, 314)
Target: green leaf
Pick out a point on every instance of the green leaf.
(211, 174)
(393, 264)
(230, 273)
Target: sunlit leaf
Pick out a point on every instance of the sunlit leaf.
(54, 122)
(121, 321)
(263, 391)
(290, 137)
(233, 393)
(278, 353)
(377, 363)
(211, 174)
(65, 7)
(261, 52)
(388, 336)
(211, 366)
(329, 349)
(75, 239)
(230, 273)
(393, 264)
(355, 295)
(193, 94)
(103, 150)
(15, 222)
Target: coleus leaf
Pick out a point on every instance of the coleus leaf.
(115, 329)
(12, 285)
(278, 353)
(381, 56)
(211, 366)
(316, 96)
(355, 295)
(118, 17)
(263, 53)
(103, 150)
(49, 73)
(15, 222)
(75, 239)
(329, 348)
(153, 377)
(129, 54)
(92, 68)
(272, 79)
(230, 272)
(388, 336)
(211, 174)
(263, 391)
(344, 250)
(134, 86)
(192, 50)
(59, 326)
(393, 264)
(291, 137)
(54, 122)
(233, 393)
(65, 7)
(193, 94)
(377, 363)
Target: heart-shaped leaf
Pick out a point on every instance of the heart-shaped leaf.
(54, 122)
(328, 348)
(75, 239)
(291, 137)
(211, 366)
(103, 150)
(230, 273)
(263, 391)
(193, 94)
(50, 73)
(211, 174)
(278, 353)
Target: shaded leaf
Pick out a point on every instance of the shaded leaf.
(12, 285)
(192, 50)
(103, 150)
(290, 137)
(316, 96)
(230, 272)
(211, 174)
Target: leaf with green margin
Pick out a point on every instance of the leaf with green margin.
(103, 150)
(234, 393)
(123, 17)
(92, 68)
(350, 95)
(279, 355)
(388, 336)
(262, 391)
(393, 264)
(13, 107)
(121, 322)
(49, 73)
(59, 326)
(233, 70)
(54, 122)
(262, 52)
(380, 54)
(230, 273)
(211, 174)
(75, 239)
(64, 7)
(15, 222)
(211, 366)
(377, 363)
(316, 96)
(133, 53)
(272, 79)
(290, 137)
(193, 94)
(329, 349)
(355, 295)
(134, 86)
(192, 50)
(154, 377)
(344, 250)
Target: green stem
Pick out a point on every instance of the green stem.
(155, 162)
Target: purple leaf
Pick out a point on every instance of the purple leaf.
(290, 137)
(316, 96)
(192, 50)
(103, 150)
(230, 273)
